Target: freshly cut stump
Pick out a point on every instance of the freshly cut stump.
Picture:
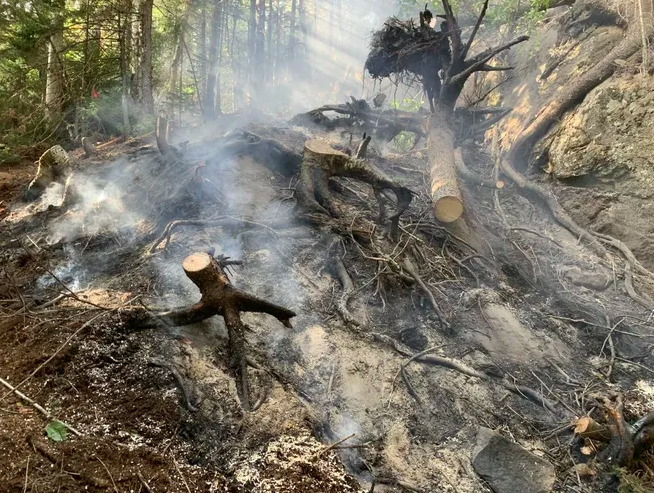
(220, 297)
(322, 162)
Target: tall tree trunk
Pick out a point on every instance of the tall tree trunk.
(216, 25)
(202, 52)
(260, 47)
(123, 28)
(137, 41)
(304, 30)
(331, 23)
(54, 91)
(278, 44)
(292, 40)
(173, 85)
(147, 98)
(252, 38)
(270, 60)
(218, 106)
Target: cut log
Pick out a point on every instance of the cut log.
(89, 148)
(587, 427)
(445, 193)
(53, 165)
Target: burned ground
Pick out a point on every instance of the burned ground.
(532, 328)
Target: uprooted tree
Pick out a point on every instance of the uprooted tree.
(439, 59)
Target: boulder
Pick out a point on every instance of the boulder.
(509, 468)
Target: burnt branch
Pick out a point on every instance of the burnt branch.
(468, 45)
(476, 63)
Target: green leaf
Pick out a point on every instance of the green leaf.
(56, 431)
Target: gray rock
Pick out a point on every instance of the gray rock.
(509, 468)
(598, 281)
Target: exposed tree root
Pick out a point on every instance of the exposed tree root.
(411, 269)
(178, 379)
(228, 222)
(525, 392)
(629, 287)
(321, 162)
(335, 259)
(559, 214)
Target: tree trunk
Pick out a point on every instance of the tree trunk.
(138, 54)
(270, 60)
(292, 40)
(445, 192)
(216, 25)
(202, 52)
(54, 92)
(278, 45)
(123, 29)
(252, 39)
(302, 13)
(260, 47)
(147, 98)
(173, 85)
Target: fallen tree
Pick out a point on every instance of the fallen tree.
(440, 61)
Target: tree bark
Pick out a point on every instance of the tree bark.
(252, 40)
(124, 28)
(147, 98)
(54, 91)
(445, 193)
(260, 48)
(270, 60)
(292, 40)
(216, 25)
(202, 52)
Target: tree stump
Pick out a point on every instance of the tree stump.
(53, 164)
(322, 162)
(161, 134)
(220, 297)
(89, 148)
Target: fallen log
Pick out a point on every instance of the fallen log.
(445, 193)
(219, 297)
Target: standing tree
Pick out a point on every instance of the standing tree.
(145, 66)
(212, 77)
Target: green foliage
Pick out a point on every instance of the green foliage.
(523, 15)
(56, 431)
(404, 141)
